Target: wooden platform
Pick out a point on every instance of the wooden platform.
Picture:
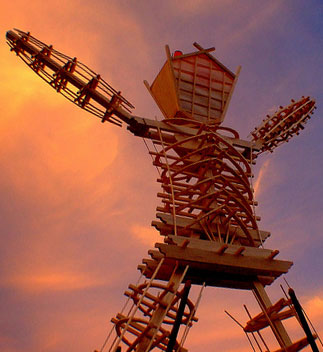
(216, 264)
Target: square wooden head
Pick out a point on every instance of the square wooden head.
(194, 86)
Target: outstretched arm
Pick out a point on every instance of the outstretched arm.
(69, 77)
(287, 122)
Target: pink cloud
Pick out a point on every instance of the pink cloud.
(60, 281)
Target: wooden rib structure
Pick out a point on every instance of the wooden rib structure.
(205, 180)
(207, 212)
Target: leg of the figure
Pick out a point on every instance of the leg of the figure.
(276, 325)
(159, 314)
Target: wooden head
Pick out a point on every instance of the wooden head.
(193, 86)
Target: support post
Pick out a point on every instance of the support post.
(276, 325)
(158, 316)
(179, 316)
(302, 320)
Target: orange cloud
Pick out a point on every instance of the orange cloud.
(35, 283)
(257, 185)
(314, 307)
(146, 235)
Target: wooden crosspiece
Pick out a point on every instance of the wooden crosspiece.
(207, 212)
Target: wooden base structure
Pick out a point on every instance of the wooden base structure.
(207, 212)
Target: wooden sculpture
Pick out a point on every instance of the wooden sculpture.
(207, 212)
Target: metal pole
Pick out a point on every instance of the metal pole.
(179, 316)
(302, 319)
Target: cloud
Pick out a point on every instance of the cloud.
(146, 235)
(198, 7)
(60, 281)
(243, 30)
(258, 183)
(314, 306)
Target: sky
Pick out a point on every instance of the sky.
(78, 196)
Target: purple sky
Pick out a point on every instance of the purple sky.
(77, 197)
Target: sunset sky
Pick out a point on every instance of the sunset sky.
(78, 196)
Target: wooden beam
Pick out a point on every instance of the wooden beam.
(221, 261)
(244, 144)
(296, 346)
(198, 46)
(277, 326)
(198, 277)
(184, 222)
(231, 93)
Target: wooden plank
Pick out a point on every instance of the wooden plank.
(276, 326)
(209, 97)
(184, 222)
(231, 93)
(296, 346)
(161, 107)
(172, 72)
(154, 124)
(188, 55)
(164, 91)
(213, 246)
(198, 277)
(244, 149)
(225, 263)
(198, 46)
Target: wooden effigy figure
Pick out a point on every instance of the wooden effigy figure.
(207, 212)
